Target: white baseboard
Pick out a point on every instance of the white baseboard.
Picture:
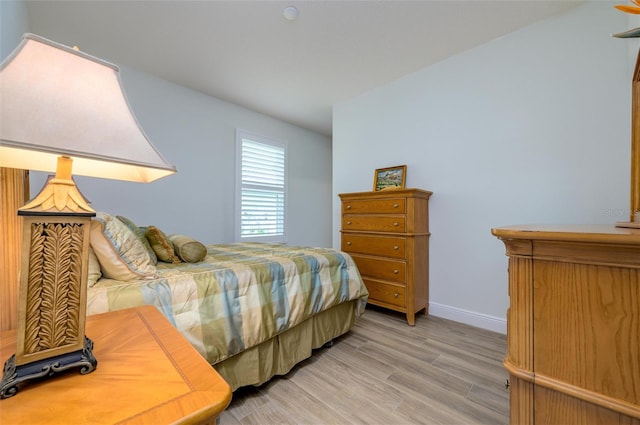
(472, 318)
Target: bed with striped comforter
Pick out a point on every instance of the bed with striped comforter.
(241, 294)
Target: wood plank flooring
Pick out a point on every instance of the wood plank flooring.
(386, 372)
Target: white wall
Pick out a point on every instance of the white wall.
(13, 23)
(196, 133)
(533, 127)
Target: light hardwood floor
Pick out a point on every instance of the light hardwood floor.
(386, 372)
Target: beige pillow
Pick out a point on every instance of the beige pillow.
(120, 253)
(188, 249)
(161, 245)
(94, 269)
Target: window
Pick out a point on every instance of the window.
(261, 188)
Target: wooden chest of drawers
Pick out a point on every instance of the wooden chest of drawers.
(387, 234)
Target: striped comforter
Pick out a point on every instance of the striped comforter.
(240, 295)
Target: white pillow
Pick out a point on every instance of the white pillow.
(120, 253)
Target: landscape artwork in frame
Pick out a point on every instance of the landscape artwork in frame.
(390, 178)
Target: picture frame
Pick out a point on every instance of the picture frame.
(390, 178)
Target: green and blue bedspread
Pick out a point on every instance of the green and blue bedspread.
(241, 294)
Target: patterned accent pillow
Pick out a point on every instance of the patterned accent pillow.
(139, 232)
(161, 245)
(120, 253)
(188, 249)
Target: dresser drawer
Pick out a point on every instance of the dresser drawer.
(380, 268)
(384, 246)
(375, 223)
(387, 293)
(375, 206)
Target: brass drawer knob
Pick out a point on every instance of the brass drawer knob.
(349, 243)
(348, 222)
(396, 224)
(396, 295)
(395, 271)
(348, 207)
(395, 205)
(395, 247)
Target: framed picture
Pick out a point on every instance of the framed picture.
(390, 178)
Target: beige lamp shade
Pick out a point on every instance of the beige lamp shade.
(57, 101)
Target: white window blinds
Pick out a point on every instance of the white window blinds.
(262, 189)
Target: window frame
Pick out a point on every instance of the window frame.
(256, 138)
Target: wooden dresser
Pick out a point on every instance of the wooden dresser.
(573, 324)
(387, 234)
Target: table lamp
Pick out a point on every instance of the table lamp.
(65, 111)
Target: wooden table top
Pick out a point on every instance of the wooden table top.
(147, 374)
(602, 233)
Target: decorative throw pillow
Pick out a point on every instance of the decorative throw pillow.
(139, 232)
(161, 245)
(94, 272)
(188, 249)
(120, 253)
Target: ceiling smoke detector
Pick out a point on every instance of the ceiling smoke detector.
(290, 13)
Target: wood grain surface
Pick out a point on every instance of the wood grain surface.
(147, 374)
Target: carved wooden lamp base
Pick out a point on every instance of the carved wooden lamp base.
(14, 375)
(52, 300)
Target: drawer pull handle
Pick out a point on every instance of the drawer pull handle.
(349, 243)
(396, 224)
(348, 222)
(348, 207)
(396, 295)
(395, 205)
(395, 271)
(395, 247)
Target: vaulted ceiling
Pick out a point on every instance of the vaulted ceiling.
(248, 53)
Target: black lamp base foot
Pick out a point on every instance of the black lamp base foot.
(14, 375)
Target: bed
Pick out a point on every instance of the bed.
(253, 310)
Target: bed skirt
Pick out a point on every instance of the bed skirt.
(278, 355)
